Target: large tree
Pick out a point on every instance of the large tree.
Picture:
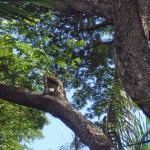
(132, 60)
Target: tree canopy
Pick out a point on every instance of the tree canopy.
(93, 48)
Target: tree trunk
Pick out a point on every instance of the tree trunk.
(132, 54)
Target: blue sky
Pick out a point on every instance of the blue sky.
(56, 134)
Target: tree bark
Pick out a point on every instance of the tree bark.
(59, 107)
(102, 8)
(132, 53)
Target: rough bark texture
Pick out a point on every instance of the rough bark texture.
(60, 108)
(132, 53)
(102, 8)
(131, 50)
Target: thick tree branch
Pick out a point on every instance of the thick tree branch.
(60, 108)
(102, 8)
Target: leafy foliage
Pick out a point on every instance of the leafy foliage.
(120, 124)
(62, 44)
(18, 68)
(140, 138)
(10, 12)
(19, 125)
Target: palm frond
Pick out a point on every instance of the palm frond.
(142, 140)
(11, 12)
(121, 121)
